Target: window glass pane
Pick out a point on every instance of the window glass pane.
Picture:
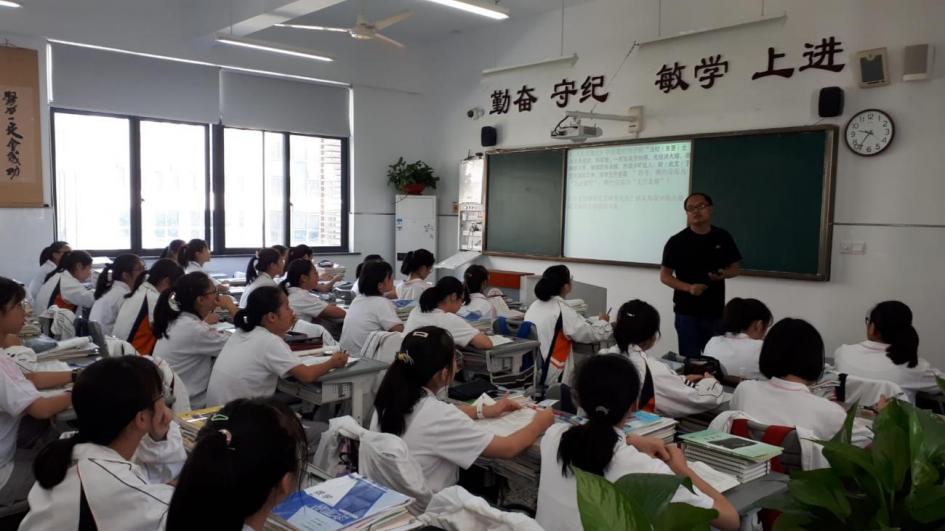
(275, 189)
(173, 182)
(316, 191)
(93, 181)
(243, 172)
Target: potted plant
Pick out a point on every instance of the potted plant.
(411, 178)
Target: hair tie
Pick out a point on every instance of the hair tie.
(228, 436)
(631, 314)
(219, 417)
(602, 409)
(172, 302)
(405, 358)
(420, 333)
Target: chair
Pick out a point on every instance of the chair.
(385, 459)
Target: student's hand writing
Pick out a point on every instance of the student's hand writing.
(697, 289)
(544, 418)
(651, 446)
(677, 461)
(504, 405)
(339, 359)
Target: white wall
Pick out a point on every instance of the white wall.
(902, 186)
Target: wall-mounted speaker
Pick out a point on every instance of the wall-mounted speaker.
(830, 102)
(917, 63)
(488, 136)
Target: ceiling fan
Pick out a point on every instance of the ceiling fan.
(363, 29)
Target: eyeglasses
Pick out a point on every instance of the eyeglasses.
(696, 208)
(458, 357)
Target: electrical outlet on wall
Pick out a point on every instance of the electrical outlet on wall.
(635, 114)
(851, 247)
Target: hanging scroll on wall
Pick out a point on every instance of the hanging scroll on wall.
(21, 171)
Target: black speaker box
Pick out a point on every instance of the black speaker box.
(489, 136)
(830, 102)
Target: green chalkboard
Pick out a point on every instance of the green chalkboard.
(770, 191)
(523, 205)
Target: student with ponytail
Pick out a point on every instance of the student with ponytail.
(248, 458)
(357, 272)
(113, 287)
(890, 352)
(662, 389)
(262, 270)
(442, 437)
(172, 249)
(134, 319)
(370, 311)
(417, 266)
(607, 389)
(438, 307)
(193, 255)
(184, 339)
(301, 278)
(744, 323)
(300, 251)
(48, 262)
(113, 473)
(256, 355)
(558, 325)
(65, 285)
(474, 299)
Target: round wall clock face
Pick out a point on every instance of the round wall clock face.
(869, 132)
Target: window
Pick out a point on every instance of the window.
(316, 191)
(93, 181)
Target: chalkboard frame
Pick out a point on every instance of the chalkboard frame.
(827, 200)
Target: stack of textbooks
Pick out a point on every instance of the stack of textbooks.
(404, 307)
(190, 423)
(742, 458)
(651, 425)
(67, 349)
(346, 502)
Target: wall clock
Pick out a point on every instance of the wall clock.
(869, 132)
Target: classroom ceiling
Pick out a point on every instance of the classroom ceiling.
(431, 22)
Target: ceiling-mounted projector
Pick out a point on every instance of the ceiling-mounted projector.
(575, 132)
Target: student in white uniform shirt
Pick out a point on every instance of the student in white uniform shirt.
(370, 311)
(256, 355)
(113, 473)
(304, 252)
(442, 437)
(792, 357)
(48, 261)
(193, 255)
(663, 390)
(133, 322)
(262, 270)
(301, 278)
(23, 411)
(745, 323)
(357, 272)
(475, 280)
(438, 306)
(185, 341)
(890, 352)
(417, 265)
(248, 458)
(111, 290)
(558, 325)
(65, 286)
(607, 387)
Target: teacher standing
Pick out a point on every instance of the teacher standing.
(696, 262)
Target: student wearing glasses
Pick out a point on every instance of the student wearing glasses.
(184, 339)
(696, 262)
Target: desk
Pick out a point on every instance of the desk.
(502, 364)
(353, 382)
(746, 496)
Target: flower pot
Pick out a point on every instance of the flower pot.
(414, 188)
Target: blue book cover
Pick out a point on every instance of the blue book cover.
(337, 503)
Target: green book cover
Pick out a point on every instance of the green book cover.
(734, 445)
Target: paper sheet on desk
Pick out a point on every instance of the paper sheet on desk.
(720, 481)
(500, 340)
(308, 361)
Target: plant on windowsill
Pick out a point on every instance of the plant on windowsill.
(411, 178)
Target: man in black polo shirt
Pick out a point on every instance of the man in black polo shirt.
(701, 257)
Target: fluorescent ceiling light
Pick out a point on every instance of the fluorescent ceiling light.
(479, 8)
(202, 63)
(267, 47)
(309, 27)
(8, 3)
(570, 59)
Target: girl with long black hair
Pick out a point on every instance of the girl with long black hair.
(113, 286)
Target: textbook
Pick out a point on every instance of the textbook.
(732, 445)
(191, 421)
(346, 502)
(720, 481)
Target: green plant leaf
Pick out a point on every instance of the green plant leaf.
(650, 492)
(683, 517)
(927, 504)
(855, 465)
(845, 435)
(941, 383)
(821, 488)
(604, 506)
(927, 444)
(890, 443)
(792, 522)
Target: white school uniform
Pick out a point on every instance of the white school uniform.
(71, 290)
(459, 328)
(250, 365)
(121, 494)
(544, 315)
(738, 354)
(674, 396)
(195, 267)
(306, 304)
(190, 349)
(264, 279)
(412, 289)
(16, 395)
(480, 304)
(367, 313)
(105, 310)
(442, 439)
(778, 402)
(868, 359)
(131, 308)
(48, 267)
(557, 494)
